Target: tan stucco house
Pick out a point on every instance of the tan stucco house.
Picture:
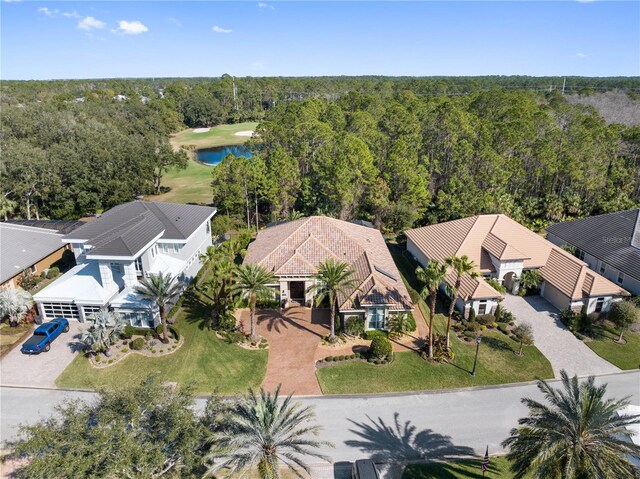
(502, 249)
(293, 251)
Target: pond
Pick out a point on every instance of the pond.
(213, 156)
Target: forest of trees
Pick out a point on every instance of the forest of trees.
(397, 151)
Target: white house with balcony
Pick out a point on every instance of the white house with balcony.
(116, 250)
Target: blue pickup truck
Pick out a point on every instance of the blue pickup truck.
(44, 335)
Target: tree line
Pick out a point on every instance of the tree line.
(408, 160)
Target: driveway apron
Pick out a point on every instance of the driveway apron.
(554, 340)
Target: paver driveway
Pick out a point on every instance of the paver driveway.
(41, 370)
(554, 340)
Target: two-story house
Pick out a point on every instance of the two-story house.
(123, 245)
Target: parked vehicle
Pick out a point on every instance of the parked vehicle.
(364, 469)
(44, 335)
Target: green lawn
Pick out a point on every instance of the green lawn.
(625, 356)
(191, 185)
(216, 136)
(204, 361)
(465, 469)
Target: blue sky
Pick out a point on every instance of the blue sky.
(42, 40)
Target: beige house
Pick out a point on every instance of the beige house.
(293, 251)
(502, 249)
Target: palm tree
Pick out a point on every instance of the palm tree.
(262, 432)
(219, 285)
(530, 279)
(575, 435)
(251, 280)
(160, 289)
(432, 276)
(14, 304)
(7, 206)
(462, 267)
(106, 329)
(333, 278)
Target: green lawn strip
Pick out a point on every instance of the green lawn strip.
(217, 136)
(191, 185)
(497, 364)
(203, 361)
(465, 469)
(625, 356)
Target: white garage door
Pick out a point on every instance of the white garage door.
(63, 310)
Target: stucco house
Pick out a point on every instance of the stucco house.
(116, 250)
(293, 251)
(27, 249)
(609, 244)
(502, 249)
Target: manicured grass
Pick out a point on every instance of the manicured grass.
(497, 364)
(464, 469)
(203, 361)
(191, 185)
(625, 356)
(9, 337)
(216, 136)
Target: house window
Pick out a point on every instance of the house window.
(176, 248)
(482, 307)
(138, 319)
(620, 277)
(602, 268)
(580, 254)
(165, 248)
(376, 318)
(599, 304)
(138, 264)
(208, 227)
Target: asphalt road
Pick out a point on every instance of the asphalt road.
(401, 427)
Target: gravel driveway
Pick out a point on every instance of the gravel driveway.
(41, 370)
(554, 340)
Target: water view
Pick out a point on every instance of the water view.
(213, 156)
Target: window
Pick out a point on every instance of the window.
(90, 311)
(165, 248)
(138, 264)
(620, 277)
(376, 318)
(176, 248)
(482, 308)
(208, 227)
(580, 254)
(599, 304)
(116, 267)
(138, 319)
(602, 268)
(62, 310)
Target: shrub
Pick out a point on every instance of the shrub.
(494, 325)
(495, 284)
(498, 312)
(159, 329)
(486, 319)
(381, 348)
(153, 351)
(234, 337)
(469, 334)
(472, 315)
(29, 281)
(472, 326)
(623, 314)
(570, 319)
(580, 336)
(503, 327)
(483, 327)
(128, 332)
(98, 358)
(111, 361)
(401, 323)
(375, 333)
(53, 272)
(329, 358)
(137, 344)
(440, 352)
(355, 325)
(125, 350)
(174, 332)
(226, 322)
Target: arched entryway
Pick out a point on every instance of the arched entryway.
(511, 282)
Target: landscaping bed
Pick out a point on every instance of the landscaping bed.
(151, 348)
(12, 337)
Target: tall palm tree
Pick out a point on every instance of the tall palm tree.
(432, 276)
(160, 289)
(264, 431)
(14, 304)
(219, 285)
(461, 266)
(251, 280)
(106, 329)
(333, 278)
(576, 434)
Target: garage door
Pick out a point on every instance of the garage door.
(556, 297)
(63, 310)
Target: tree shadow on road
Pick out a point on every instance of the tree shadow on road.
(401, 441)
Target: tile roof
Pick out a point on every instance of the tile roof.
(483, 236)
(23, 246)
(296, 248)
(613, 238)
(125, 229)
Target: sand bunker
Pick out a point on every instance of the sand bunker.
(244, 133)
(201, 130)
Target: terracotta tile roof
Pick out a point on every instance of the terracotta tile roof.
(485, 236)
(297, 247)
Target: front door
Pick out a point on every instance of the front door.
(296, 291)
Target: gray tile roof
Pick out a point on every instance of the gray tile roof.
(22, 246)
(61, 226)
(608, 237)
(125, 229)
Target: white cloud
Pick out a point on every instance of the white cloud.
(218, 29)
(582, 55)
(131, 28)
(47, 12)
(175, 21)
(266, 5)
(73, 14)
(90, 23)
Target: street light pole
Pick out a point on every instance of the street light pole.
(475, 360)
